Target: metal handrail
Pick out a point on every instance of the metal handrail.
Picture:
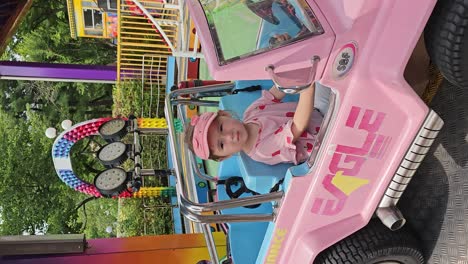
(298, 88)
(180, 102)
(199, 173)
(195, 102)
(210, 219)
(323, 129)
(210, 244)
(183, 200)
(202, 89)
(192, 210)
(172, 99)
(221, 205)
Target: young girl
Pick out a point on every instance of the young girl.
(272, 131)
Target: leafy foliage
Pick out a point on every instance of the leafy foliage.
(100, 214)
(44, 36)
(149, 215)
(32, 197)
(30, 193)
(130, 98)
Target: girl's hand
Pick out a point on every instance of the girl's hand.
(277, 93)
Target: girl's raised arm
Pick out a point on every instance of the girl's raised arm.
(276, 92)
(303, 113)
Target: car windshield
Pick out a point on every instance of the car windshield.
(248, 27)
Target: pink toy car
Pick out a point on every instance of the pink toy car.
(375, 133)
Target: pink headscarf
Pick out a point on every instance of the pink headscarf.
(201, 124)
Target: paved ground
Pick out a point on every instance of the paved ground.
(436, 202)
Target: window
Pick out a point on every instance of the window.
(107, 5)
(244, 28)
(92, 18)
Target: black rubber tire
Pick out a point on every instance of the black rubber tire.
(446, 37)
(373, 244)
(436, 200)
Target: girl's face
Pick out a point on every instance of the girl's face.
(226, 135)
(282, 37)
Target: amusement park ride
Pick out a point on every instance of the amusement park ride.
(375, 132)
(113, 182)
(181, 248)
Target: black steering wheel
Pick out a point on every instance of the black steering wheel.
(238, 182)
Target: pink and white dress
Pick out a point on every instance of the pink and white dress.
(274, 143)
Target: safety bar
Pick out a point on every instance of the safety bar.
(198, 172)
(179, 102)
(195, 102)
(209, 219)
(221, 205)
(323, 129)
(202, 89)
(210, 244)
(293, 88)
(168, 111)
(190, 209)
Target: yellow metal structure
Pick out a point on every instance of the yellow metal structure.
(142, 51)
(152, 123)
(86, 19)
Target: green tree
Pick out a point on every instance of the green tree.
(44, 36)
(32, 197)
(56, 101)
(31, 193)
